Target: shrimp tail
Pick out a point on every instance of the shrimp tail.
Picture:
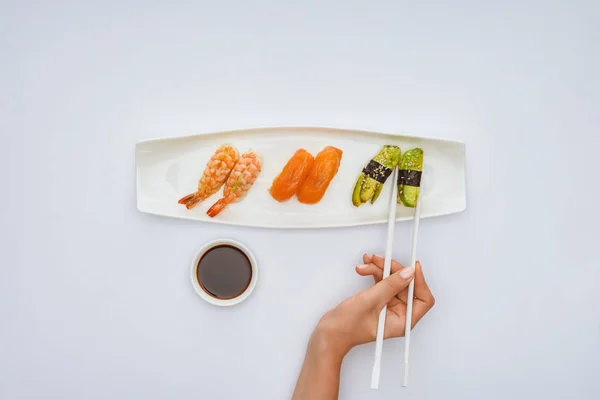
(190, 200)
(217, 207)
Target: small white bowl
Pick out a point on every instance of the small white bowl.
(214, 300)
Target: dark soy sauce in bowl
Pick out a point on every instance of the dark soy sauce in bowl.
(224, 271)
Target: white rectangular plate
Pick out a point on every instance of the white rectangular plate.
(168, 169)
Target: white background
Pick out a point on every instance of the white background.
(95, 298)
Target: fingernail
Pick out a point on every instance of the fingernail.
(407, 272)
(362, 266)
(377, 255)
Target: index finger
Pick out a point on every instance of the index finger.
(422, 291)
(379, 260)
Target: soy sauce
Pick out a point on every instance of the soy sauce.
(224, 272)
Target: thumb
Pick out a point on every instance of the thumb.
(388, 288)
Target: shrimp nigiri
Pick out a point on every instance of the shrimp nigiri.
(324, 169)
(216, 172)
(292, 176)
(240, 181)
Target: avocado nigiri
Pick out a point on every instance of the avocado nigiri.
(373, 176)
(409, 177)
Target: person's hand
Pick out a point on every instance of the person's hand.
(354, 321)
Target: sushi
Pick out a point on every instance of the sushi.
(323, 170)
(289, 180)
(215, 173)
(373, 176)
(241, 179)
(409, 177)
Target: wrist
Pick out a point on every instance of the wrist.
(326, 343)
(320, 374)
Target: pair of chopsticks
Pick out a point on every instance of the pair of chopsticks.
(411, 288)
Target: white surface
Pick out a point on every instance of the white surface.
(213, 300)
(168, 169)
(95, 300)
(387, 266)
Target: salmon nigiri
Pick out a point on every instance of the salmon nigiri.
(324, 168)
(292, 176)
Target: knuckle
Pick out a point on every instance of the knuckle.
(431, 301)
(390, 284)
